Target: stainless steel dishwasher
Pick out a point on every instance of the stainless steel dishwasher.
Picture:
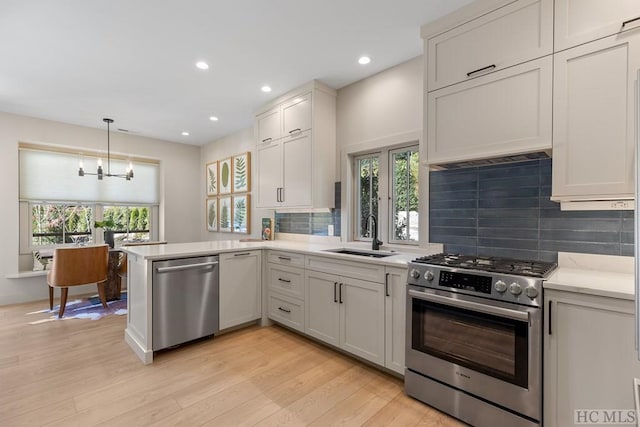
(185, 300)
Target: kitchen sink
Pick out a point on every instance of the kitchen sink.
(370, 254)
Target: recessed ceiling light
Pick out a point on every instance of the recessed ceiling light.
(202, 65)
(185, 133)
(266, 89)
(213, 118)
(364, 60)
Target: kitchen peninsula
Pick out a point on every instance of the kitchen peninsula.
(376, 282)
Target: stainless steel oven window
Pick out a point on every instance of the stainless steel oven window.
(486, 343)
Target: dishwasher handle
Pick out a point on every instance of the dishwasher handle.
(186, 267)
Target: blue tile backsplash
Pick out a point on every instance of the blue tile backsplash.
(311, 223)
(504, 210)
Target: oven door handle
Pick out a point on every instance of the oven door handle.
(473, 306)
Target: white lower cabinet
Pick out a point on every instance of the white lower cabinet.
(240, 288)
(395, 307)
(347, 313)
(583, 331)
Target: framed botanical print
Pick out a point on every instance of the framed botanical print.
(212, 214)
(241, 213)
(226, 176)
(225, 214)
(242, 173)
(212, 178)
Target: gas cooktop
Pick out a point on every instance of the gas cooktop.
(490, 264)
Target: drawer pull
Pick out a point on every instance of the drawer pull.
(267, 139)
(284, 280)
(284, 309)
(629, 21)
(284, 258)
(295, 130)
(386, 285)
(242, 254)
(479, 70)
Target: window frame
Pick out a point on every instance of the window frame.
(385, 189)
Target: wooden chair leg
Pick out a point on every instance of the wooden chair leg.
(63, 301)
(101, 294)
(50, 298)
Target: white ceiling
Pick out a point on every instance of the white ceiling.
(77, 61)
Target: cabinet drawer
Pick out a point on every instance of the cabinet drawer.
(518, 32)
(582, 21)
(286, 280)
(286, 310)
(362, 270)
(286, 258)
(504, 113)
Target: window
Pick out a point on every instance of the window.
(53, 224)
(58, 207)
(394, 174)
(404, 190)
(131, 222)
(368, 169)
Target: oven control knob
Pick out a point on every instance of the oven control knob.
(500, 286)
(515, 288)
(415, 274)
(428, 275)
(531, 292)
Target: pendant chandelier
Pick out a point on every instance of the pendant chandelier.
(100, 173)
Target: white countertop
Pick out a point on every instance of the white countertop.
(182, 250)
(601, 275)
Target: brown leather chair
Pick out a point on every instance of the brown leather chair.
(78, 266)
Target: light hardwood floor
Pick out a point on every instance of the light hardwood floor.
(80, 372)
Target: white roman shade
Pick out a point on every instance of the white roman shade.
(53, 177)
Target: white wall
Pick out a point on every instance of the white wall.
(222, 148)
(383, 110)
(180, 172)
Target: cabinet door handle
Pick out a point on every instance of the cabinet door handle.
(629, 21)
(284, 309)
(479, 70)
(335, 291)
(340, 293)
(282, 194)
(295, 130)
(283, 280)
(284, 258)
(267, 139)
(386, 284)
(278, 195)
(549, 326)
(242, 254)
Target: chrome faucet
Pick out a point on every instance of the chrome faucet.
(375, 243)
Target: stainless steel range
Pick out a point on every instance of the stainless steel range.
(474, 337)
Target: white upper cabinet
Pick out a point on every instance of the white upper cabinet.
(593, 134)
(582, 21)
(268, 125)
(296, 115)
(297, 169)
(507, 112)
(510, 35)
